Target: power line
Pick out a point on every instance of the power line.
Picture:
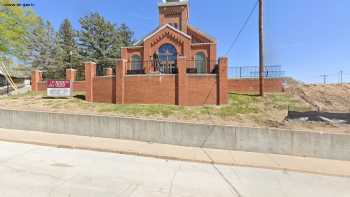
(242, 28)
(324, 78)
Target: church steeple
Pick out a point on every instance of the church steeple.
(175, 13)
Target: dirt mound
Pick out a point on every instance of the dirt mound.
(327, 98)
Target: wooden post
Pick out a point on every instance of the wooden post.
(222, 92)
(261, 48)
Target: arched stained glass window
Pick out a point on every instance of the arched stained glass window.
(165, 59)
(167, 52)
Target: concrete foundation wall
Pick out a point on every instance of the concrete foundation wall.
(299, 143)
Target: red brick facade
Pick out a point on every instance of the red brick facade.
(176, 64)
(202, 89)
(172, 89)
(138, 89)
(252, 85)
(104, 89)
(174, 29)
(37, 76)
(71, 74)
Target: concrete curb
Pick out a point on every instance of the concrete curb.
(172, 152)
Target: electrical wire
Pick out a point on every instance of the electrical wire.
(242, 28)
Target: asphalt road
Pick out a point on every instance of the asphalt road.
(29, 170)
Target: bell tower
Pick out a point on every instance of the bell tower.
(174, 13)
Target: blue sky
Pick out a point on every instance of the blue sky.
(308, 37)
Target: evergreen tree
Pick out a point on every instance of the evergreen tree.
(68, 51)
(43, 50)
(125, 35)
(100, 40)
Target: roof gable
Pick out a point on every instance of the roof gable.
(140, 42)
(199, 36)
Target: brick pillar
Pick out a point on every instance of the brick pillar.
(108, 71)
(181, 82)
(147, 57)
(71, 74)
(212, 57)
(90, 74)
(222, 97)
(37, 76)
(120, 80)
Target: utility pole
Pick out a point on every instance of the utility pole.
(341, 77)
(324, 78)
(261, 47)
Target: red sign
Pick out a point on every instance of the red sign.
(58, 84)
(59, 88)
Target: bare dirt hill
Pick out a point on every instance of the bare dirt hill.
(326, 98)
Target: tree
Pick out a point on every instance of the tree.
(15, 27)
(66, 38)
(125, 35)
(43, 50)
(100, 40)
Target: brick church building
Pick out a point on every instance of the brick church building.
(175, 64)
(158, 51)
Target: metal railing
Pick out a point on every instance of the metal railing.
(169, 67)
(56, 74)
(153, 66)
(136, 67)
(252, 72)
(201, 67)
(80, 75)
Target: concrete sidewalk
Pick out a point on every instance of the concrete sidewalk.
(164, 151)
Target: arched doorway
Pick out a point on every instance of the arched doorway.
(165, 59)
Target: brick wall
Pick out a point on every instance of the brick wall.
(79, 86)
(104, 89)
(252, 85)
(42, 85)
(150, 89)
(202, 89)
(174, 89)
